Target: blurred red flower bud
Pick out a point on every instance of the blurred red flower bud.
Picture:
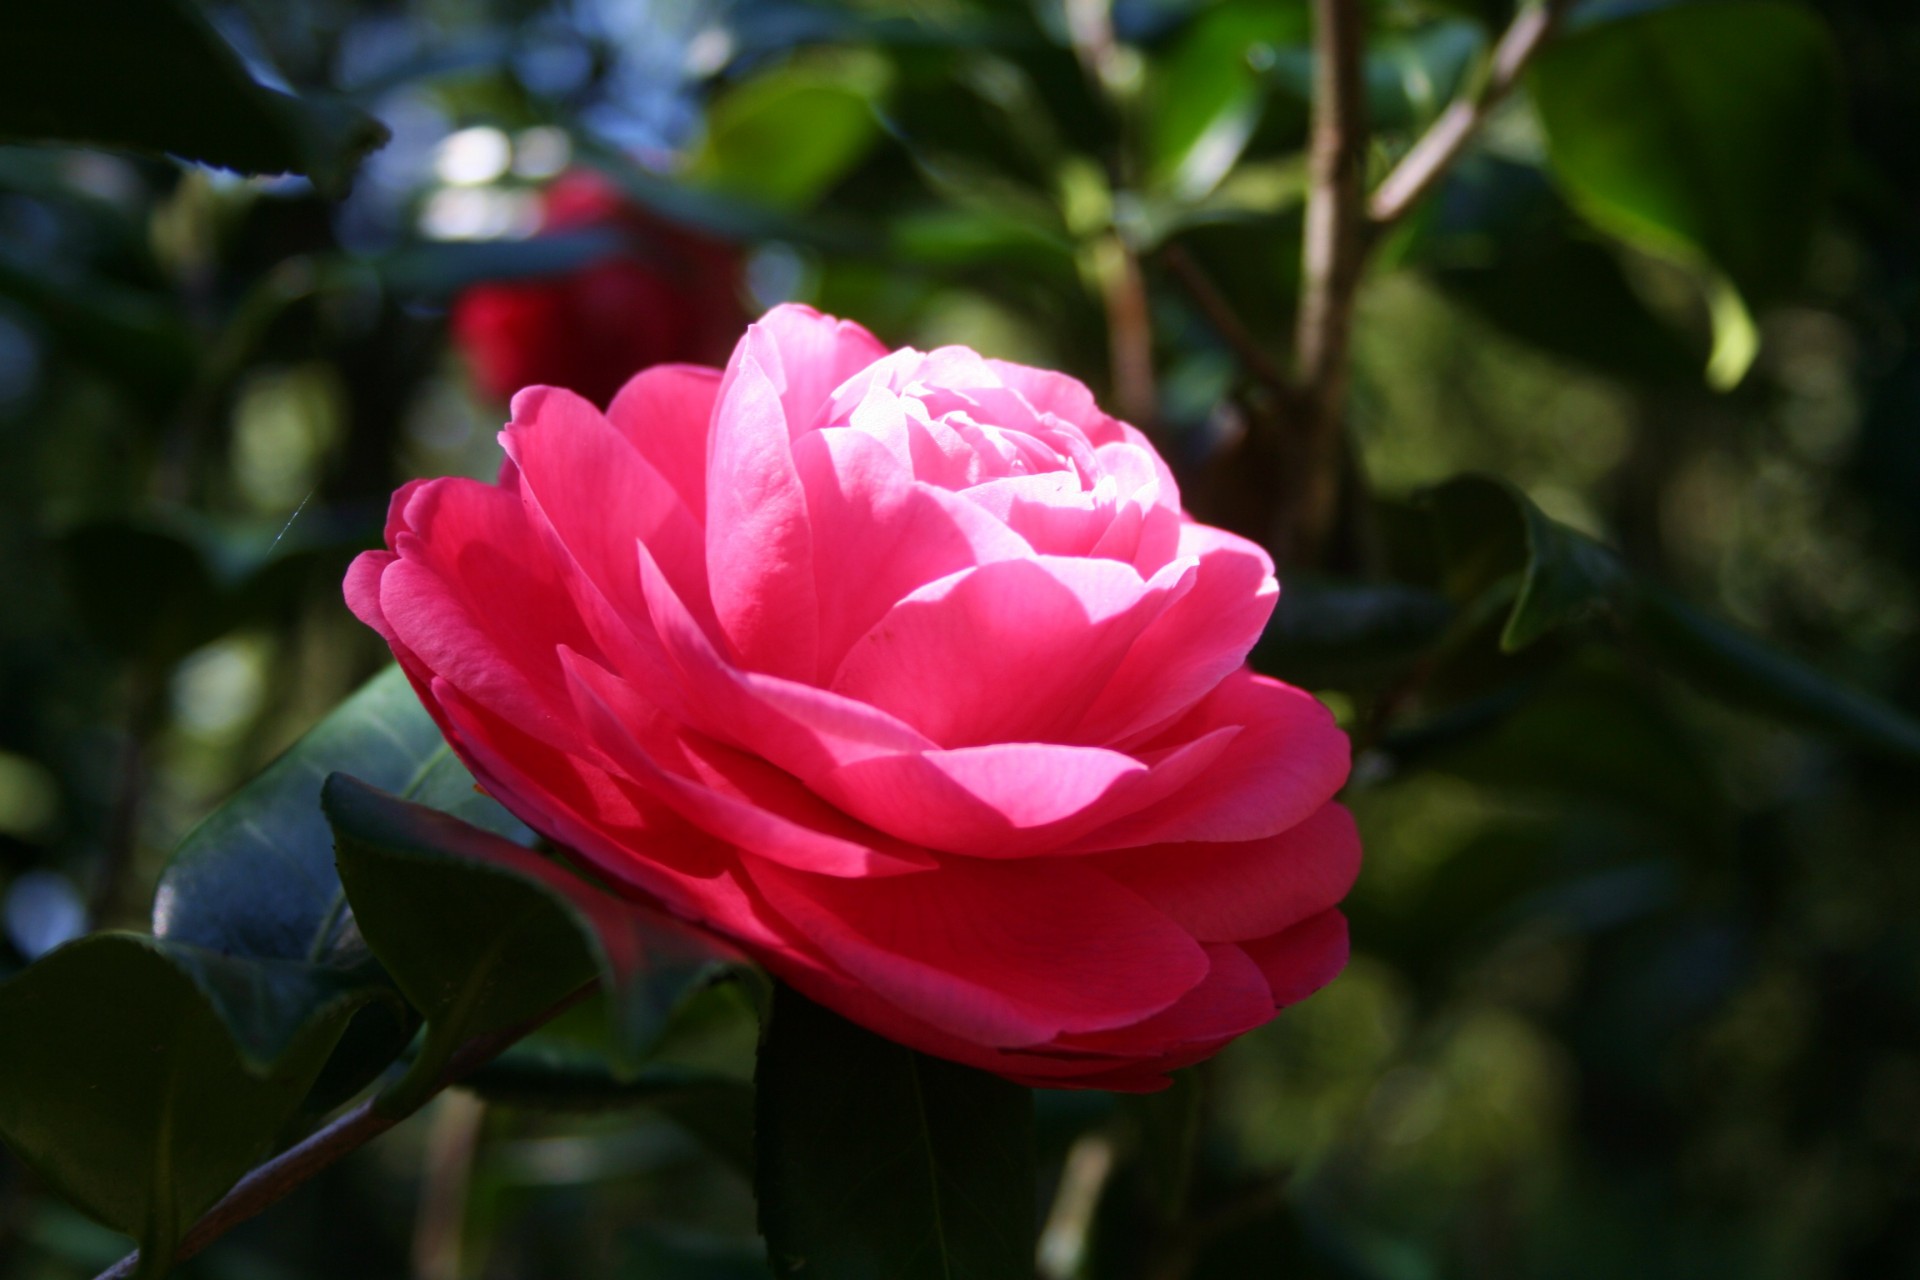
(673, 295)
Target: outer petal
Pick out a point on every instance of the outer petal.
(996, 955)
(1012, 651)
(1233, 999)
(1235, 892)
(467, 601)
(665, 413)
(1289, 759)
(633, 839)
(1303, 959)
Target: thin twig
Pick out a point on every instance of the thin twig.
(1224, 320)
(270, 1183)
(1333, 254)
(1123, 290)
(1443, 141)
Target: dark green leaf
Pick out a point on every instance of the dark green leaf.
(1703, 133)
(875, 1162)
(1590, 733)
(481, 934)
(123, 1087)
(1494, 540)
(1501, 230)
(1489, 530)
(142, 593)
(153, 75)
(129, 334)
(1727, 663)
(256, 878)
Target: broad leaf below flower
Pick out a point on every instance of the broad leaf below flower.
(126, 1089)
(482, 935)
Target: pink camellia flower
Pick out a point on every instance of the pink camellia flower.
(905, 672)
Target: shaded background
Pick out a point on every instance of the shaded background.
(1634, 988)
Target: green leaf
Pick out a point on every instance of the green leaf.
(876, 1162)
(256, 877)
(1703, 133)
(124, 1089)
(127, 333)
(154, 76)
(1489, 530)
(1729, 664)
(1502, 230)
(783, 138)
(481, 934)
(1207, 93)
(1493, 540)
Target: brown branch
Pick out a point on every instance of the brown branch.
(271, 1182)
(1443, 141)
(1224, 321)
(1123, 292)
(1332, 257)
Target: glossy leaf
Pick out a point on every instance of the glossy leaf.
(1703, 133)
(1489, 529)
(1721, 660)
(142, 593)
(256, 877)
(123, 1087)
(1208, 95)
(110, 74)
(1493, 539)
(875, 1162)
(481, 934)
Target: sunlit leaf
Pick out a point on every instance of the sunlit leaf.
(1704, 133)
(256, 877)
(784, 137)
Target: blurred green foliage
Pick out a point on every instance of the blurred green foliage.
(1638, 934)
